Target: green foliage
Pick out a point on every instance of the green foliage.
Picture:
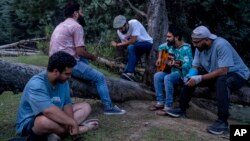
(226, 18)
(30, 19)
(6, 29)
(99, 15)
(102, 46)
(44, 45)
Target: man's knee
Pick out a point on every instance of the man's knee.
(131, 48)
(100, 76)
(83, 106)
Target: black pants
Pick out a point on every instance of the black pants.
(223, 85)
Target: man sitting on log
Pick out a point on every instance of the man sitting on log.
(68, 36)
(176, 58)
(45, 109)
(223, 69)
(134, 36)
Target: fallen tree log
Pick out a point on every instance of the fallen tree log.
(115, 65)
(14, 76)
(17, 53)
(21, 42)
(241, 96)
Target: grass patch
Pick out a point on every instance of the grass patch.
(164, 134)
(38, 60)
(8, 107)
(42, 60)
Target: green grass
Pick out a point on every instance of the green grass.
(112, 128)
(8, 107)
(164, 134)
(42, 60)
(39, 60)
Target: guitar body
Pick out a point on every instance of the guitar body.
(164, 58)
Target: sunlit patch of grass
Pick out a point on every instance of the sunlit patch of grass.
(38, 60)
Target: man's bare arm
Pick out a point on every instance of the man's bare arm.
(59, 116)
(82, 51)
(132, 40)
(216, 73)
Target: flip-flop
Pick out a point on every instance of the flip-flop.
(91, 124)
(154, 108)
(161, 113)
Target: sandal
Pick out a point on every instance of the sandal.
(155, 107)
(90, 124)
(161, 113)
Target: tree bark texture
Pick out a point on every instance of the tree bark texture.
(157, 28)
(14, 76)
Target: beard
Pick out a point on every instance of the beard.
(203, 47)
(61, 81)
(170, 43)
(81, 21)
(125, 30)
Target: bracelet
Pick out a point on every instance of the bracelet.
(116, 45)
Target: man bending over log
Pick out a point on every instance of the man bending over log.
(134, 36)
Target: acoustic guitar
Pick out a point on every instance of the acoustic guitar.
(165, 57)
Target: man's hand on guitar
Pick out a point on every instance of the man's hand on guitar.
(170, 63)
(177, 64)
(158, 62)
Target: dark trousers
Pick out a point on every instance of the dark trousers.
(223, 85)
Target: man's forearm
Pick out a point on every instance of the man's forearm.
(81, 51)
(59, 116)
(215, 73)
(128, 42)
(87, 55)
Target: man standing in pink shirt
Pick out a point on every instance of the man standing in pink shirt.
(68, 36)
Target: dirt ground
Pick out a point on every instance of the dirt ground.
(139, 120)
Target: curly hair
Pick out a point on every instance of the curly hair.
(60, 60)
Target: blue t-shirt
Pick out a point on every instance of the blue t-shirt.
(221, 54)
(39, 95)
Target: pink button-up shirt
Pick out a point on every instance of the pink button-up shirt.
(67, 36)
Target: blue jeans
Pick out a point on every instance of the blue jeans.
(135, 51)
(162, 79)
(83, 71)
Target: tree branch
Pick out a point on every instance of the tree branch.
(21, 42)
(137, 10)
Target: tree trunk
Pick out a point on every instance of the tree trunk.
(14, 76)
(157, 28)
